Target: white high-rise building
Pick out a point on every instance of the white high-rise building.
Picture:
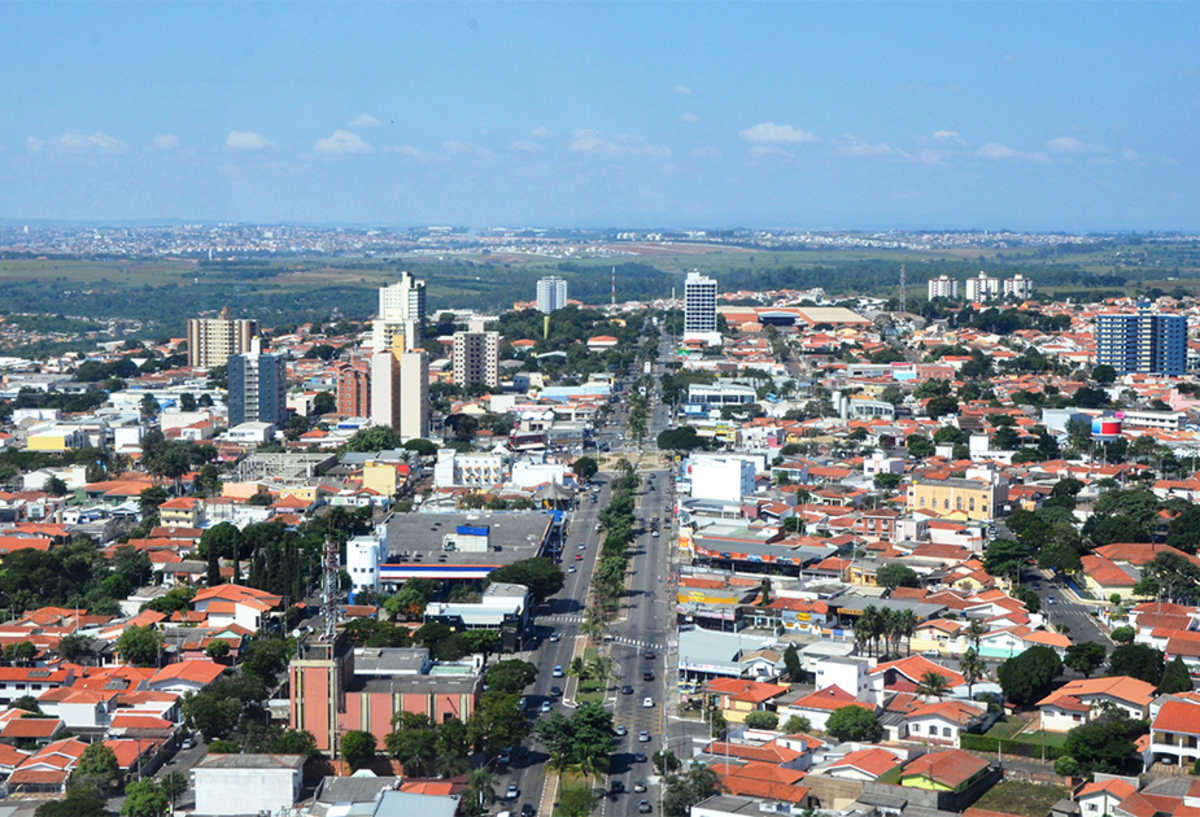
(551, 294)
(1018, 287)
(983, 289)
(476, 358)
(401, 311)
(943, 287)
(700, 309)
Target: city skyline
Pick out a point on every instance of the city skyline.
(862, 116)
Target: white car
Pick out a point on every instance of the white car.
(556, 636)
(558, 671)
(513, 792)
(648, 703)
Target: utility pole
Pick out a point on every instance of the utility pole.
(903, 300)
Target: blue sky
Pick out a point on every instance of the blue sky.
(1033, 116)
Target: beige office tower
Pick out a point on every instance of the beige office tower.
(212, 341)
(400, 389)
(401, 309)
(383, 330)
(477, 358)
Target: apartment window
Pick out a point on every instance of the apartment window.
(946, 504)
(1091, 807)
(922, 502)
(958, 503)
(972, 503)
(946, 732)
(916, 727)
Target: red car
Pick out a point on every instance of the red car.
(579, 557)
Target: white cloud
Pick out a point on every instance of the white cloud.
(770, 150)
(683, 89)
(526, 146)
(247, 140)
(926, 156)
(73, 142)
(585, 140)
(342, 142)
(1129, 155)
(945, 134)
(541, 132)
(164, 141)
(424, 157)
(857, 147)
(995, 151)
(463, 149)
(689, 117)
(704, 152)
(1068, 145)
(365, 120)
(768, 133)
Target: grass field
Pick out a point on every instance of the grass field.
(1006, 727)
(1017, 797)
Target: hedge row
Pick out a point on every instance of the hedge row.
(983, 743)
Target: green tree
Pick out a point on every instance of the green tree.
(972, 667)
(373, 439)
(498, 721)
(134, 565)
(1104, 374)
(896, 575)
(150, 498)
(1123, 635)
(1066, 766)
(681, 438)
(540, 575)
(79, 802)
(1136, 661)
(1175, 678)
(854, 723)
(686, 790)
(585, 468)
(1102, 745)
(576, 801)
(797, 724)
(1085, 657)
(1184, 530)
(140, 646)
(98, 769)
(1004, 557)
(217, 649)
(22, 653)
(933, 685)
(791, 661)
(173, 785)
(1026, 678)
(144, 798)
(358, 748)
(762, 719)
(919, 446)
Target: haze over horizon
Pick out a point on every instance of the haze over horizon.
(1032, 116)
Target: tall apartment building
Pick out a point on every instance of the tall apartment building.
(476, 358)
(700, 309)
(211, 341)
(943, 287)
(401, 310)
(400, 389)
(551, 294)
(1018, 287)
(983, 289)
(354, 388)
(257, 387)
(1144, 343)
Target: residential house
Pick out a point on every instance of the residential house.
(865, 765)
(183, 677)
(1075, 703)
(1102, 797)
(1175, 732)
(944, 722)
(738, 697)
(952, 771)
(235, 604)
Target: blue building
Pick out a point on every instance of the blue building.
(257, 387)
(1144, 343)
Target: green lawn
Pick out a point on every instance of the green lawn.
(1017, 797)
(1006, 727)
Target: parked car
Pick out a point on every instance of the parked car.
(621, 730)
(547, 706)
(644, 807)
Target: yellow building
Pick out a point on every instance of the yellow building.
(182, 512)
(972, 499)
(381, 478)
(55, 438)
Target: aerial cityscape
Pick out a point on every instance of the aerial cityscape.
(560, 410)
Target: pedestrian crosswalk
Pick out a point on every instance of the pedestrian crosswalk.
(564, 618)
(635, 642)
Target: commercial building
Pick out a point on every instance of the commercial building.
(974, 499)
(212, 341)
(247, 784)
(700, 310)
(1146, 342)
(353, 388)
(551, 294)
(257, 387)
(476, 358)
(943, 287)
(721, 479)
(400, 389)
(455, 469)
(983, 289)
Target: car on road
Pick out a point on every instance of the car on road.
(931, 654)
(639, 757)
(622, 731)
(644, 807)
(583, 545)
(643, 736)
(505, 757)
(572, 569)
(579, 557)
(547, 706)
(639, 786)
(558, 671)
(555, 692)
(627, 690)
(597, 527)
(188, 743)
(617, 787)
(654, 534)
(522, 752)
(527, 810)
(648, 655)
(513, 792)
(556, 636)
(648, 703)
(647, 676)
(1051, 600)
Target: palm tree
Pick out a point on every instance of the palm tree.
(579, 669)
(975, 631)
(878, 625)
(933, 685)
(972, 668)
(482, 783)
(907, 625)
(862, 634)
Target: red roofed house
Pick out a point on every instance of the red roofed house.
(17, 682)
(49, 769)
(952, 771)
(819, 705)
(905, 675)
(943, 723)
(235, 604)
(1073, 704)
(186, 676)
(1099, 799)
(1175, 733)
(738, 697)
(865, 765)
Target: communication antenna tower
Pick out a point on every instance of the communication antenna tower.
(903, 300)
(329, 590)
(614, 286)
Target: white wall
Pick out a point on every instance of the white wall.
(222, 792)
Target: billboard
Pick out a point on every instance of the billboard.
(1106, 428)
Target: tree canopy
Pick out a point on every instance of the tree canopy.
(1026, 678)
(854, 723)
(543, 577)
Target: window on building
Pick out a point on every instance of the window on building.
(916, 727)
(972, 503)
(946, 504)
(947, 732)
(958, 503)
(922, 502)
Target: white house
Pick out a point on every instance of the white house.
(247, 784)
(183, 677)
(1073, 704)
(944, 722)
